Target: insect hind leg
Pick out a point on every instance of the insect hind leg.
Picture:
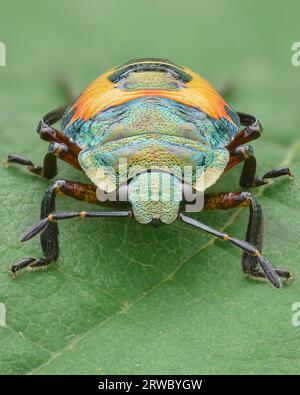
(255, 228)
(49, 234)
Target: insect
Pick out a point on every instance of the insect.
(152, 113)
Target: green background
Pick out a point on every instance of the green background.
(123, 297)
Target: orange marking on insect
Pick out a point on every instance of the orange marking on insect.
(102, 94)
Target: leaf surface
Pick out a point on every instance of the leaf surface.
(126, 298)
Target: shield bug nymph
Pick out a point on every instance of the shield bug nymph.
(155, 114)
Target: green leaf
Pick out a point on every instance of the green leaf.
(123, 297)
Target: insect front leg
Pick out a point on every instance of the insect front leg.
(252, 131)
(255, 228)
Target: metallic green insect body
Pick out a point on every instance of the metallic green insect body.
(153, 132)
(138, 129)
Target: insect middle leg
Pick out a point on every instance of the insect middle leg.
(244, 153)
(60, 147)
(248, 177)
(49, 236)
(252, 131)
(255, 228)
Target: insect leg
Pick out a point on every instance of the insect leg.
(248, 179)
(268, 270)
(255, 229)
(48, 133)
(252, 131)
(60, 147)
(49, 169)
(243, 154)
(58, 216)
(265, 179)
(64, 153)
(49, 236)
